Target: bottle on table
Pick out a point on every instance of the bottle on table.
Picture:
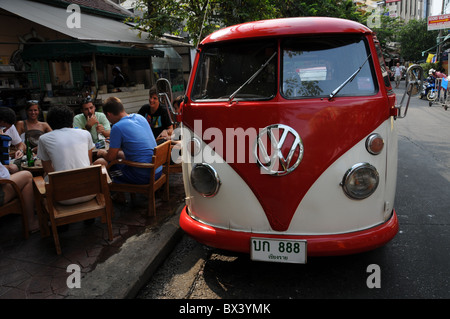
(101, 141)
(30, 159)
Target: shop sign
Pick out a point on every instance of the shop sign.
(439, 22)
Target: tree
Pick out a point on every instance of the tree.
(386, 29)
(159, 17)
(205, 16)
(414, 39)
(345, 9)
(199, 16)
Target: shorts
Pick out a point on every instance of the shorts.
(124, 174)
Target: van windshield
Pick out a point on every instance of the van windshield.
(225, 68)
(314, 67)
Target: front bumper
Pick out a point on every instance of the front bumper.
(318, 245)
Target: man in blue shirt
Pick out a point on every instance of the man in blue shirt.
(132, 139)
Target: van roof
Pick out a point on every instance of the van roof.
(287, 26)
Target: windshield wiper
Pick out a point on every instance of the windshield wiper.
(340, 87)
(252, 77)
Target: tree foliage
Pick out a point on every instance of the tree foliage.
(386, 29)
(206, 16)
(414, 38)
(345, 9)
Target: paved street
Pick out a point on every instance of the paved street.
(413, 265)
(31, 269)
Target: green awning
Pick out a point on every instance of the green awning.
(73, 50)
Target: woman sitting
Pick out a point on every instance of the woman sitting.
(31, 128)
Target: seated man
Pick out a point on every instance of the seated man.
(94, 122)
(7, 127)
(65, 147)
(118, 77)
(157, 116)
(131, 135)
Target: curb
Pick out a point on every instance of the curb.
(125, 273)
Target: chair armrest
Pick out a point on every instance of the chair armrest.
(13, 184)
(130, 163)
(112, 163)
(39, 184)
(105, 171)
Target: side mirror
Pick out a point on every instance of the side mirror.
(164, 90)
(415, 76)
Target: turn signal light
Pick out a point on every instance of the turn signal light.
(374, 144)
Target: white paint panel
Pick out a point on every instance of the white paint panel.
(325, 209)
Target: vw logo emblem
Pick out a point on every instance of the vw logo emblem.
(278, 149)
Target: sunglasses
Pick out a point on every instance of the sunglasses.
(33, 102)
(86, 100)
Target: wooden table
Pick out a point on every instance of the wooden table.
(36, 170)
(95, 151)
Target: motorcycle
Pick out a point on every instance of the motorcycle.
(429, 89)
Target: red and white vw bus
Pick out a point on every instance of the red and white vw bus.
(289, 132)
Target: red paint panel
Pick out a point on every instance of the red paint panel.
(318, 245)
(287, 26)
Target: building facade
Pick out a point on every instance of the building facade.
(415, 9)
(407, 9)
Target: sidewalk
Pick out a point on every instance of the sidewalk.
(31, 269)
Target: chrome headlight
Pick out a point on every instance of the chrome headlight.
(360, 181)
(205, 180)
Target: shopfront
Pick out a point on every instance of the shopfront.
(43, 57)
(77, 69)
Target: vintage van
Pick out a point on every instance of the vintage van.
(289, 140)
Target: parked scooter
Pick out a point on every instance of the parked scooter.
(429, 89)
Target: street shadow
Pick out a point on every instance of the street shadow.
(236, 276)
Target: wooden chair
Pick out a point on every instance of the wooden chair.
(66, 185)
(174, 167)
(161, 157)
(15, 206)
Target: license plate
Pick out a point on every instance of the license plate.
(278, 250)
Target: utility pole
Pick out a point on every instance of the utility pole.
(438, 53)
